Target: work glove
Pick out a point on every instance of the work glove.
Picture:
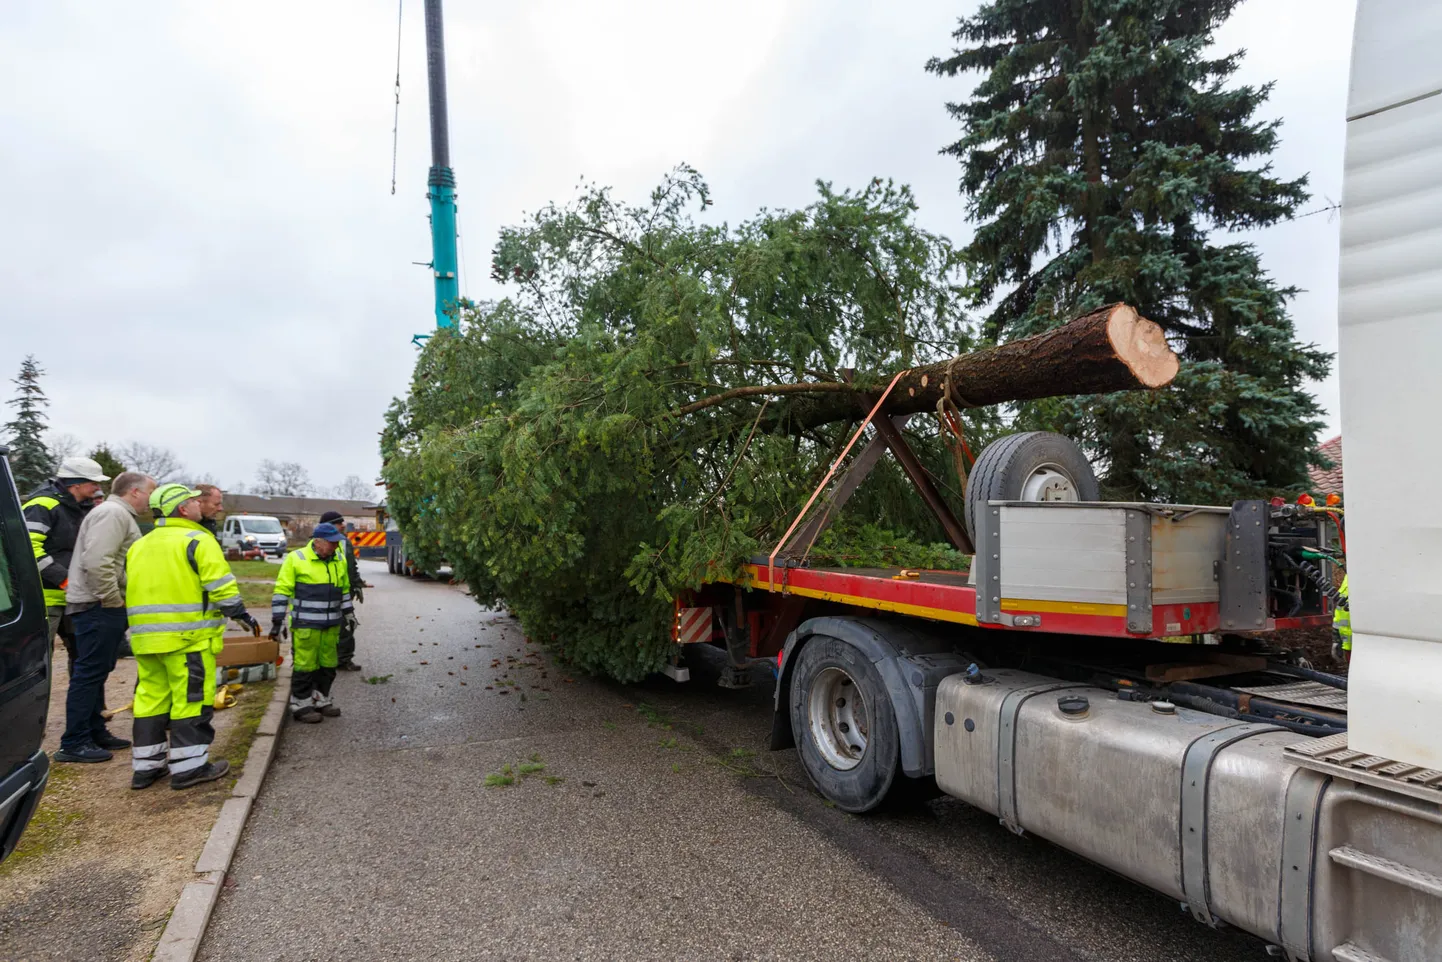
(350, 620)
(358, 594)
(245, 618)
(277, 630)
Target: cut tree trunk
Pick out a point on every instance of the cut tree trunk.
(1110, 349)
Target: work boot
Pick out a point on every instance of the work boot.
(85, 753)
(139, 780)
(347, 666)
(113, 742)
(330, 711)
(308, 714)
(208, 772)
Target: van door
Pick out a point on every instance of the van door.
(24, 669)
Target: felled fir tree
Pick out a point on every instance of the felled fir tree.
(1105, 157)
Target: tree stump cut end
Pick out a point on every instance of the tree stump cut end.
(1141, 345)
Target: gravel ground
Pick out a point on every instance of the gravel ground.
(100, 866)
(659, 828)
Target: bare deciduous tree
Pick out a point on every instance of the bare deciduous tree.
(160, 463)
(61, 446)
(354, 489)
(286, 478)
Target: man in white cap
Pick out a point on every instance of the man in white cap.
(53, 513)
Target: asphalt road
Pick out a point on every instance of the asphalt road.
(376, 837)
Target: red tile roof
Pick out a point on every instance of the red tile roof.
(1327, 481)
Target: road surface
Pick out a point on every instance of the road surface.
(375, 836)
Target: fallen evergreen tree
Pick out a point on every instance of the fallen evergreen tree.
(659, 396)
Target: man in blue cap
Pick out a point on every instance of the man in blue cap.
(313, 580)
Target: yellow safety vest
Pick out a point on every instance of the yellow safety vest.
(1342, 620)
(319, 589)
(178, 590)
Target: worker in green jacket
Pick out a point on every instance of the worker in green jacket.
(178, 593)
(1342, 623)
(313, 580)
(345, 648)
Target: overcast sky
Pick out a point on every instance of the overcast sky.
(200, 246)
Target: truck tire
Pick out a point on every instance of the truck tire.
(1030, 466)
(846, 731)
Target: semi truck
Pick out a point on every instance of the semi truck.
(1106, 675)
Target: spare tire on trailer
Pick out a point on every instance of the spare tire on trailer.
(1031, 466)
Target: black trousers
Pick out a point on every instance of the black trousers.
(98, 634)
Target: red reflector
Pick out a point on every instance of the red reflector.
(1278, 502)
(778, 658)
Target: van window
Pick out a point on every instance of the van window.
(10, 521)
(259, 525)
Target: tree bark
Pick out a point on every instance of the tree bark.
(1110, 349)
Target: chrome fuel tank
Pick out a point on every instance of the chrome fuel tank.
(1190, 804)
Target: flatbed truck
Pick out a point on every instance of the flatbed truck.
(1105, 675)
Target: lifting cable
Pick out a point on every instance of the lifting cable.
(396, 123)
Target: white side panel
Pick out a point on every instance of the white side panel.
(1069, 554)
(1390, 346)
(1394, 53)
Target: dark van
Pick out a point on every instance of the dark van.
(24, 670)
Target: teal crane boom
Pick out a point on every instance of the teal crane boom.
(442, 180)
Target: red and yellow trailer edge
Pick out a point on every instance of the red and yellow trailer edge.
(944, 596)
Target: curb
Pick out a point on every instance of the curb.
(180, 942)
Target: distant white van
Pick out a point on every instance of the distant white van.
(268, 534)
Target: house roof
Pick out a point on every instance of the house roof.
(294, 507)
(1327, 481)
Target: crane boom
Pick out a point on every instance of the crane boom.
(442, 180)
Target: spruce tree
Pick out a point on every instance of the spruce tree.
(1102, 155)
(25, 431)
(109, 464)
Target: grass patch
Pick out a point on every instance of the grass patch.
(377, 679)
(256, 594)
(497, 780)
(254, 569)
(54, 822)
(530, 768)
(249, 708)
(654, 717)
(554, 779)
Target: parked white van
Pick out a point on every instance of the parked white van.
(266, 531)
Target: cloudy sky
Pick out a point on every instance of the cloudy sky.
(200, 245)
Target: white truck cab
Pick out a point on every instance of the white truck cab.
(268, 533)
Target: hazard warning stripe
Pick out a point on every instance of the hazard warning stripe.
(693, 625)
(367, 539)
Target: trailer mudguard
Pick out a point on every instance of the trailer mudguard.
(910, 660)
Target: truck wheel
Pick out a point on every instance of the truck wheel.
(845, 725)
(1031, 466)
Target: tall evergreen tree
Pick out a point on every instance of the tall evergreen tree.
(1101, 153)
(25, 431)
(109, 463)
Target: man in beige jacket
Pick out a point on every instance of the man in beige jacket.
(95, 602)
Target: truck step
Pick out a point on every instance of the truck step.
(1310, 693)
(1332, 756)
(1387, 869)
(1347, 952)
